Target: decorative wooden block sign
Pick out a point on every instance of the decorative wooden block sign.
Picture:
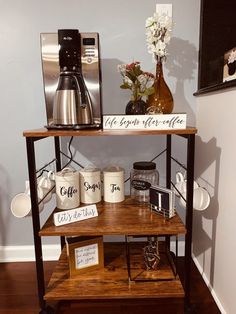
(174, 121)
(84, 253)
(76, 214)
(162, 201)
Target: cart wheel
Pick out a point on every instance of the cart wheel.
(48, 310)
(190, 309)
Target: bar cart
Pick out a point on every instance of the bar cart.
(112, 283)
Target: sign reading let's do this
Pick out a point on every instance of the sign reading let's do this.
(145, 122)
(76, 214)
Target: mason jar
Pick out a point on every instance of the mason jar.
(142, 176)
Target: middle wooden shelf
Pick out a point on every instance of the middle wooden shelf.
(125, 218)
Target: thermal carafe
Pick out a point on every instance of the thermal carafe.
(72, 79)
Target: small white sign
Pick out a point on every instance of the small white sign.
(145, 122)
(164, 9)
(76, 214)
(86, 256)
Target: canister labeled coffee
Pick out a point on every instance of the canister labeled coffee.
(67, 189)
(113, 179)
(90, 185)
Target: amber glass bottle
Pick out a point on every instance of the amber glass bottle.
(161, 101)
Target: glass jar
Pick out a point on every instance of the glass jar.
(142, 176)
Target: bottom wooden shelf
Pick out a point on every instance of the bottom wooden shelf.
(111, 282)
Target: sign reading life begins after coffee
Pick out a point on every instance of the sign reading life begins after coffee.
(145, 122)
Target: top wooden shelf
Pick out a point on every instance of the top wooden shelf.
(44, 132)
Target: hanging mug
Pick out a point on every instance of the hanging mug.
(201, 199)
(181, 184)
(67, 188)
(45, 184)
(21, 202)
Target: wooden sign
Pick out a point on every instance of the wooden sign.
(76, 214)
(84, 253)
(174, 121)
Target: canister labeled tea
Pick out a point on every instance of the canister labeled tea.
(113, 180)
(142, 176)
(67, 189)
(90, 185)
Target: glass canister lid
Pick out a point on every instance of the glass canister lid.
(66, 172)
(90, 171)
(144, 165)
(113, 170)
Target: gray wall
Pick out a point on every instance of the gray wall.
(121, 25)
(214, 245)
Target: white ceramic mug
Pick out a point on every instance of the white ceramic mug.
(51, 177)
(67, 188)
(113, 182)
(21, 203)
(201, 199)
(181, 184)
(46, 185)
(90, 185)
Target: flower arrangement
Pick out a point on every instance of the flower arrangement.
(158, 29)
(135, 79)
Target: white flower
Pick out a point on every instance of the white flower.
(128, 81)
(150, 81)
(158, 29)
(232, 56)
(143, 81)
(122, 69)
(150, 21)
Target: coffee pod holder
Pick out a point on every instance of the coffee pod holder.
(162, 201)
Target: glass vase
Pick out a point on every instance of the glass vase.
(138, 106)
(161, 101)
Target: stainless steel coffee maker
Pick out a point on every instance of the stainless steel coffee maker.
(72, 79)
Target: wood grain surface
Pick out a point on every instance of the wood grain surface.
(43, 132)
(125, 218)
(111, 282)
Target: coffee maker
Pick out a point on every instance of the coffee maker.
(72, 79)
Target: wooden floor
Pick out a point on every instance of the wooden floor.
(18, 295)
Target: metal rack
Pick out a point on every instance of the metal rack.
(36, 135)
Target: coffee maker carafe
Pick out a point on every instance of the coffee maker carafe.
(72, 79)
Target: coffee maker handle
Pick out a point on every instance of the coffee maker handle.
(82, 87)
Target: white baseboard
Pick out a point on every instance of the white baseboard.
(51, 252)
(207, 282)
(25, 253)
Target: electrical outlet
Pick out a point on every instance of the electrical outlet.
(164, 9)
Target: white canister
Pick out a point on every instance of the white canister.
(113, 181)
(67, 189)
(90, 185)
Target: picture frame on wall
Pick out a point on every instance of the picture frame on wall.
(217, 25)
(84, 253)
(229, 70)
